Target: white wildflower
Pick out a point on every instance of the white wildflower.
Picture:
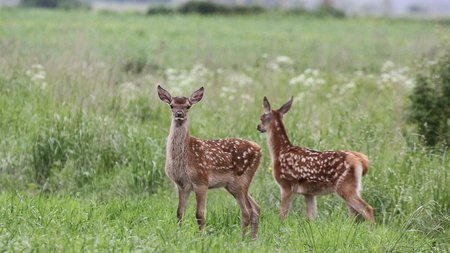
(359, 73)
(315, 72)
(170, 72)
(240, 79)
(274, 66)
(37, 75)
(280, 62)
(387, 66)
(282, 59)
(300, 97)
(309, 77)
(198, 74)
(298, 79)
(199, 71)
(227, 92)
(393, 75)
(350, 85)
(247, 97)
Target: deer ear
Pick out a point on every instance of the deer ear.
(164, 95)
(196, 96)
(266, 105)
(285, 108)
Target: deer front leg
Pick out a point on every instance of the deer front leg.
(183, 199)
(287, 196)
(200, 193)
(311, 206)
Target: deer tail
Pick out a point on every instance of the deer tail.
(363, 159)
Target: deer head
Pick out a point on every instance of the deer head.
(180, 105)
(269, 114)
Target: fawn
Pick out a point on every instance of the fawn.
(311, 173)
(198, 165)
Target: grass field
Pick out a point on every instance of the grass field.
(82, 132)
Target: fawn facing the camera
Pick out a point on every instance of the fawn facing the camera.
(311, 173)
(198, 165)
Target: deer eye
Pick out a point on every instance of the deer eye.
(188, 107)
(171, 106)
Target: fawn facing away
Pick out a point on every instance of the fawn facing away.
(198, 165)
(311, 173)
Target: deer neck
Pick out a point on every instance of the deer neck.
(277, 138)
(178, 144)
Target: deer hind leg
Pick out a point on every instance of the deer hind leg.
(183, 198)
(246, 209)
(287, 196)
(349, 189)
(200, 193)
(361, 207)
(255, 209)
(254, 216)
(351, 211)
(311, 206)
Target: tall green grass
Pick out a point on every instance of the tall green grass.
(82, 147)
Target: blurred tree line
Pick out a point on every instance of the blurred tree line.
(63, 4)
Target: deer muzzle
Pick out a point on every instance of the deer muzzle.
(179, 115)
(261, 129)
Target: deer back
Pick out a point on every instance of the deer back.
(224, 155)
(306, 165)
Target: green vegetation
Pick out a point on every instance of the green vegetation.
(430, 108)
(82, 132)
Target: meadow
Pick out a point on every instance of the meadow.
(82, 131)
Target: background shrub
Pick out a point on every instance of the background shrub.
(239, 9)
(430, 108)
(328, 11)
(201, 7)
(205, 8)
(160, 10)
(63, 4)
(321, 12)
(211, 8)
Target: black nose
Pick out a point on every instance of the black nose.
(259, 128)
(179, 114)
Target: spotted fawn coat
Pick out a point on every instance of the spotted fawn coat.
(198, 165)
(311, 173)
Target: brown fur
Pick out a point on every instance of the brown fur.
(198, 165)
(363, 159)
(311, 173)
